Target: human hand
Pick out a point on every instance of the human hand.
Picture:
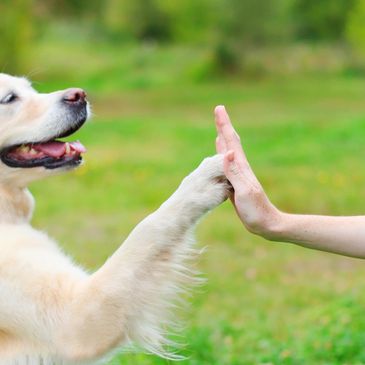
(252, 205)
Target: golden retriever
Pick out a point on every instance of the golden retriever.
(51, 310)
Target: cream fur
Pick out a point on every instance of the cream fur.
(52, 311)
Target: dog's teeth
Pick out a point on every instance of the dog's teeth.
(68, 148)
(33, 151)
(24, 148)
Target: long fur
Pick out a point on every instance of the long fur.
(52, 312)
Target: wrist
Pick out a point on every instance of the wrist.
(272, 227)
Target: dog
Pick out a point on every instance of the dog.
(51, 310)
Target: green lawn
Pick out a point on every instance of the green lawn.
(264, 303)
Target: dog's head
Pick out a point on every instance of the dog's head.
(30, 126)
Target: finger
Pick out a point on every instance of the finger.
(221, 117)
(223, 123)
(240, 175)
(220, 142)
(232, 170)
(228, 134)
(220, 145)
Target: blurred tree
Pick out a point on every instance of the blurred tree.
(246, 24)
(249, 21)
(321, 19)
(355, 30)
(141, 19)
(193, 21)
(71, 8)
(68, 7)
(16, 34)
(228, 29)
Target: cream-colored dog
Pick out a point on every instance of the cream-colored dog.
(52, 311)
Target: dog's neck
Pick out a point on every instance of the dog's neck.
(16, 205)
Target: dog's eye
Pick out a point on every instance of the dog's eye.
(10, 98)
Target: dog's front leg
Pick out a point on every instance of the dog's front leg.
(129, 298)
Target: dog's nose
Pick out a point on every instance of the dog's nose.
(74, 96)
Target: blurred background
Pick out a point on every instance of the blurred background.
(292, 75)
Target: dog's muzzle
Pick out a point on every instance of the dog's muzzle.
(52, 153)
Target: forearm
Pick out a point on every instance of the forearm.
(340, 235)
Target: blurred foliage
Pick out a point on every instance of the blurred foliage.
(322, 20)
(356, 27)
(230, 30)
(141, 19)
(16, 33)
(246, 24)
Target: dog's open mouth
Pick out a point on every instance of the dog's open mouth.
(51, 155)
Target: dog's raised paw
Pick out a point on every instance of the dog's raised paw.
(207, 184)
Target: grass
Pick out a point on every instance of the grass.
(264, 303)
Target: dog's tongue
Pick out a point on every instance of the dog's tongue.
(58, 149)
(53, 149)
(77, 146)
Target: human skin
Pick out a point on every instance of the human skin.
(344, 235)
